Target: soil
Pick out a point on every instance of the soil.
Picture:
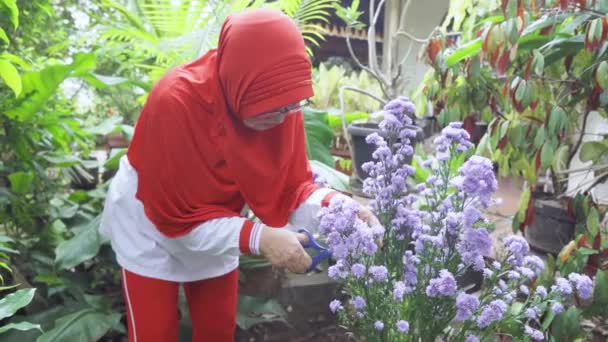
(279, 332)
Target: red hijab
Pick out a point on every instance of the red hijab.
(194, 157)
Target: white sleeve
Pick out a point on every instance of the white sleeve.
(227, 235)
(305, 216)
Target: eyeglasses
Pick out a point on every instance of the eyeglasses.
(290, 109)
(271, 119)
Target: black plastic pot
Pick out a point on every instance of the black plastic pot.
(362, 151)
(429, 125)
(552, 228)
(480, 129)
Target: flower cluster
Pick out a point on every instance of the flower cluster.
(434, 234)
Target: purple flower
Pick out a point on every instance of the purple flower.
(425, 241)
(358, 303)
(534, 263)
(524, 289)
(403, 326)
(541, 291)
(536, 335)
(487, 273)
(334, 272)
(513, 275)
(557, 307)
(399, 290)
(444, 285)
(583, 284)
(358, 270)
(379, 273)
(533, 313)
(518, 248)
(466, 304)
(471, 216)
(494, 311)
(562, 286)
(335, 306)
(378, 325)
(452, 221)
(478, 179)
(474, 245)
(526, 272)
(399, 106)
(375, 139)
(471, 338)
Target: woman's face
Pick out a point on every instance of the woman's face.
(271, 119)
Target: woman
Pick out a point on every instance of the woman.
(215, 135)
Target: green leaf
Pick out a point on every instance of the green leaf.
(21, 182)
(255, 310)
(61, 159)
(567, 325)
(557, 120)
(548, 319)
(600, 290)
(22, 326)
(318, 136)
(83, 246)
(562, 154)
(546, 156)
(593, 150)
(3, 36)
(539, 62)
(39, 86)
(15, 301)
(561, 47)
(11, 77)
(79, 196)
(85, 325)
(530, 94)
(468, 50)
(540, 137)
(336, 179)
(107, 126)
(593, 223)
(4, 238)
(601, 75)
(587, 251)
(547, 277)
(335, 121)
(521, 91)
(101, 81)
(579, 20)
(113, 162)
(11, 6)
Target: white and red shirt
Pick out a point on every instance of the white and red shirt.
(210, 250)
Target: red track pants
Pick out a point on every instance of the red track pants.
(152, 308)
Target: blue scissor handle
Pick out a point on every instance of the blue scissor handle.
(323, 254)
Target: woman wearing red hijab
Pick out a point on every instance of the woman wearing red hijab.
(215, 135)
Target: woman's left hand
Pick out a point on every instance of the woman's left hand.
(367, 216)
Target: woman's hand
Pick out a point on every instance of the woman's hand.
(283, 248)
(367, 216)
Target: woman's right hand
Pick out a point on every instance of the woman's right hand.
(284, 249)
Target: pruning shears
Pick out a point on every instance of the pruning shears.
(324, 252)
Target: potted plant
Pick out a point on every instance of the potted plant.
(537, 75)
(390, 76)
